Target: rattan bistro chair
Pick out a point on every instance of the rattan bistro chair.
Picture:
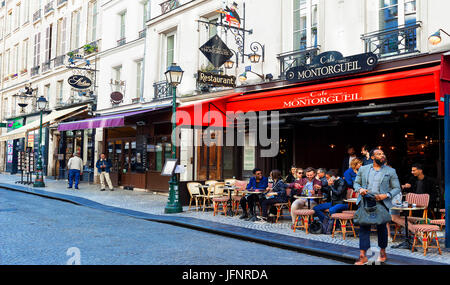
(219, 198)
(196, 195)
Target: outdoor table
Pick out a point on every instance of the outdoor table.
(257, 192)
(407, 244)
(309, 199)
(230, 189)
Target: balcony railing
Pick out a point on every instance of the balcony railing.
(59, 60)
(393, 42)
(46, 66)
(162, 90)
(60, 2)
(35, 70)
(48, 8)
(121, 42)
(169, 5)
(142, 34)
(37, 15)
(296, 58)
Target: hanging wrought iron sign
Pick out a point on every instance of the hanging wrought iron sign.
(216, 51)
(216, 79)
(332, 64)
(80, 82)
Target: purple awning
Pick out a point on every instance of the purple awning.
(110, 121)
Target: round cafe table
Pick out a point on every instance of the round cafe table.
(351, 202)
(230, 189)
(407, 244)
(309, 199)
(259, 193)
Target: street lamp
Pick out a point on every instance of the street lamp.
(39, 182)
(174, 75)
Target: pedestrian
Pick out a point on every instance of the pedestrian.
(382, 182)
(257, 182)
(75, 166)
(104, 169)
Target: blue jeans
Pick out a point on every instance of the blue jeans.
(319, 209)
(364, 237)
(73, 173)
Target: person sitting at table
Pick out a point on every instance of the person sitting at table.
(352, 172)
(274, 195)
(338, 195)
(304, 187)
(326, 189)
(257, 182)
(292, 176)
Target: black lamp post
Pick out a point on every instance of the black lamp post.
(39, 181)
(174, 75)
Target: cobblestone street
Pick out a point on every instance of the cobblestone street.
(155, 204)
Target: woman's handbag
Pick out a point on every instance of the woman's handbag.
(371, 212)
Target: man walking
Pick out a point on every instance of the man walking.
(104, 168)
(75, 166)
(382, 182)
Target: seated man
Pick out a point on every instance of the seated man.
(306, 187)
(326, 189)
(338, 195)
(258, 182)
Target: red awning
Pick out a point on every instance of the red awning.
(444, 82)
(398, 84)
(209, 113)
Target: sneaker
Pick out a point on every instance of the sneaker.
(69, 187)
(76, 188)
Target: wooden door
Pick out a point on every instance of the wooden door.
(209, 162)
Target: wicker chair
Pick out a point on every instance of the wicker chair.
(344, 220)
(195, 194)
(281, 206)
(421, 200)
(305, 216)
(237, 196)
(219, 198)
(425, 234)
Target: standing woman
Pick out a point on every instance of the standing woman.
(274, 195)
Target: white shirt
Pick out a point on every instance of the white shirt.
(75, 163)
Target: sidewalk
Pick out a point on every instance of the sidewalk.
(151, 207)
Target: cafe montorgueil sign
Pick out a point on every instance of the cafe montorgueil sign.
(332, 64)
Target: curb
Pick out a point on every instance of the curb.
(318, 248)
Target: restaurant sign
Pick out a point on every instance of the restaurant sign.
(216, 79)
(216, 51)
(332, 64)
(79, 82)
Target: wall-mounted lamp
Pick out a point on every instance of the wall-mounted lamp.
(436, 38)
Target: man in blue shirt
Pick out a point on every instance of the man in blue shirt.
(257, 182)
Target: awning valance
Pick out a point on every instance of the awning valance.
(51, 118)
(109, 121)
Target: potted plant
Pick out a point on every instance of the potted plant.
(88, 48)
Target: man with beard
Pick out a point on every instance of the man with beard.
(382, 182)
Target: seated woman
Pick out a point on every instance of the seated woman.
(352, 172)
(274, 195)
(338, 195)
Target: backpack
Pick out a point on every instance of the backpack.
(327, 226)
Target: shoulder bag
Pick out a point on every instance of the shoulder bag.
(367, 214)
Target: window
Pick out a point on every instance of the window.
(146, 14)
(122, 29)
(26, 11)
(17, 18)
(305, 24)
(170, 50)
(47, 92)
(75, 42)
(212, 29)
(37, 50)
(9, 22)
(116, 76)
(392, 15)
(16, 59)
(8, 63)
(1, 27)
(25, 48)
(138, 78)
(48, 43)
(59, 90)
(61, 37)
(92, 21)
